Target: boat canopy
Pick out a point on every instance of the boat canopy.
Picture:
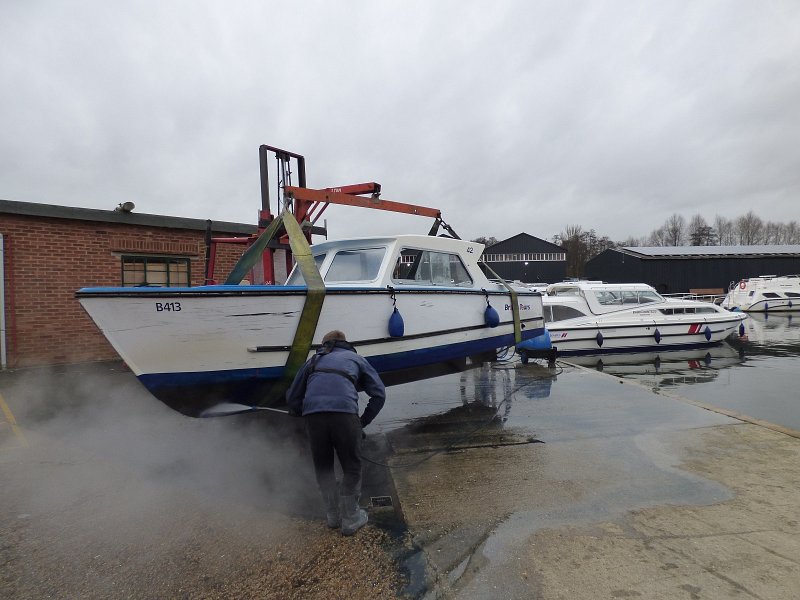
(406, 260)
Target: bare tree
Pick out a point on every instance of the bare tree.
(658, 237)
(675, 230)
(725, 231)
(750, 229)
(486, 241)
(791, 233)
(575, 247)
(773, 233)
(631, 242)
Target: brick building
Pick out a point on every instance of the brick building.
(48, 252)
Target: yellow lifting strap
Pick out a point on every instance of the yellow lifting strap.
(309, 317)
(252, 255)
(301, 345)
(514, 304)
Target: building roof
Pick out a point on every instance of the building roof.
(53, 211)
(653, 252)
(556, 247)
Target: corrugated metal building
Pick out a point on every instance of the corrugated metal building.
(677, 269)
(526, 258)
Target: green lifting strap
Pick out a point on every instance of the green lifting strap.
(301, 345)
(514, 304)
(253, 254)
(304, 335)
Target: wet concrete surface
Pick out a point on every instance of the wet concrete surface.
(503, 481)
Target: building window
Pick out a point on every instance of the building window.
(525, 256)
(157, 271)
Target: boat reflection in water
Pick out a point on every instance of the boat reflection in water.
(700, 365)
(771, 333)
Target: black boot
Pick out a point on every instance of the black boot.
(353, 517)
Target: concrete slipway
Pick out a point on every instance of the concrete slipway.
(513, 481)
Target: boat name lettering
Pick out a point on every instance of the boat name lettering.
(168, 306)
(521, 307)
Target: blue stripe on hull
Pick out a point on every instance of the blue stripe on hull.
(191, 392)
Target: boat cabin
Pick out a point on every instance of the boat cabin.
(570, 300)
(404, 261)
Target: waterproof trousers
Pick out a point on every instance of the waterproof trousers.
(336, 433)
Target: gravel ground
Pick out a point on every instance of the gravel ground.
(298, 559)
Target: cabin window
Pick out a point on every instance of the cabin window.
(426, 267)
(566, 291)
(771, 295)
(558, 312)
(296, 278)
(645, 297)
(607, 298)
(618, 297)
(355, 265)
(155, 271)
(792, 295)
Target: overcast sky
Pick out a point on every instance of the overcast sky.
(508, 116)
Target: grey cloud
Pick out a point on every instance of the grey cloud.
(525, 116)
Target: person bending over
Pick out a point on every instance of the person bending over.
(325, 392)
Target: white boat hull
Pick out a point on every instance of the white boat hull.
(767, 293)
(617, 337)
(192, 346)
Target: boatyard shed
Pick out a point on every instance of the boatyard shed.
(699, 269)
(48, 252)
(526, 258)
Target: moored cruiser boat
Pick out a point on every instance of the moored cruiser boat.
(767, 293)
(591, 317)
(404, 301)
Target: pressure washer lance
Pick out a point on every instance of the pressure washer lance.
(226, 409)
(231, 408)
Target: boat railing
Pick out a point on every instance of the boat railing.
(715, 298)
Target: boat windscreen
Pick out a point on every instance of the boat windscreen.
(560, 312)
(626, 297)
(427, 267)
(296, 278)
(355, 265)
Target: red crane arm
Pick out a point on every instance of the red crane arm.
(332, 197)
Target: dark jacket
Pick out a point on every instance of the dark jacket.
(330, 382)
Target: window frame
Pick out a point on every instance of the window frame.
(145, 259)
(426, 283)
(340, 251)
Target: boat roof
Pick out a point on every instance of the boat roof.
(600, 285)
(413, 240)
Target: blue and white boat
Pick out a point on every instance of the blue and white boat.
(404, 302)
